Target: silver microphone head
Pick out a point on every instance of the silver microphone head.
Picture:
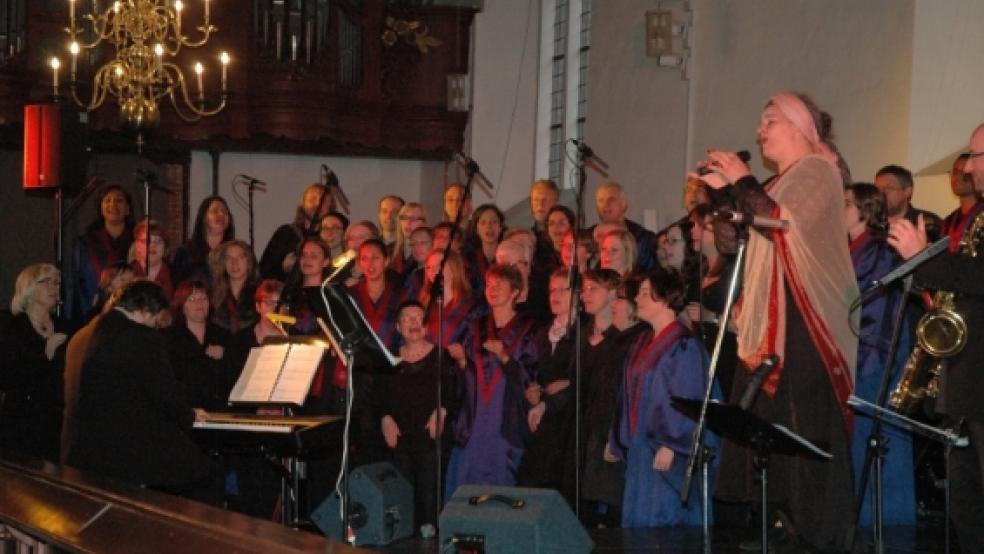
(343, 259)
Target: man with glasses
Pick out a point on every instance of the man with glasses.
(961, 383)
(895, 182)
(962, 185)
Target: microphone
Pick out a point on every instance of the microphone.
(330, 178)
(252, 180)
(750, 219)
(343, 259)
(149, 179)
(277, 319)
(471, 166)
(339, 263)
(743, 155)
(755, 383)
(586, 150)
(908, 266)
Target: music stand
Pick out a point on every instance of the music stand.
(751, 431)
(348, 328)
(947, 437)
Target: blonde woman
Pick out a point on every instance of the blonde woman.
(32, 346)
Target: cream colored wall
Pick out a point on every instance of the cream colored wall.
(501, 132)
(946, 93)
(637, 114)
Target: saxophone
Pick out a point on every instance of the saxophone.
(940, 334)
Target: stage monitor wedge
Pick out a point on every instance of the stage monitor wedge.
(511, 520)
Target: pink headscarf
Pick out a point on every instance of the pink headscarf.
(795, 110)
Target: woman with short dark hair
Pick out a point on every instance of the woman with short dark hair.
(196, 346)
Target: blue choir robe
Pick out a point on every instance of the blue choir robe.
(491, 429)
(873, 258)
(458, 318)
(658, 367)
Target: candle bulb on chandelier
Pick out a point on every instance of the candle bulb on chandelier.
(293, 48)
(159, 57)
(224, 58)
(199, 69)
(71, 14)
(206, 11)
(74, 49)
(55, 64)
(178, 7)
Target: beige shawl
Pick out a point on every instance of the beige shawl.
(812, 257)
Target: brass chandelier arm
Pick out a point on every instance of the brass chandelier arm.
(179, 86)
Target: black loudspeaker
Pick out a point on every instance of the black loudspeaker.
(506, 520)
(381, 506)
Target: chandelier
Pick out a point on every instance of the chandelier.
(147, 35)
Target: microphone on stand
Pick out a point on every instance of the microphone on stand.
(253, 182)
(330, 180)
(340, 264)
(343, 259)
(590, 159)
(743, 155)
(469, 165)
(149, 179)
(759, 221)
(755, 383)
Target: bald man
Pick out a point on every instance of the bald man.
(611, 205)
(962, 383)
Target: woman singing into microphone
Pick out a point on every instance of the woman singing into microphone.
(797, 286)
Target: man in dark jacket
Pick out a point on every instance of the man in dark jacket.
(961, 385)
(133, 420)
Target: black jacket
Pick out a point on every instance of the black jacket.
(133, 418)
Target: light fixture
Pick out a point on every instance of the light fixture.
(147, 36)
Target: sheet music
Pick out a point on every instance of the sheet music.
(279, 373)
(298, 372)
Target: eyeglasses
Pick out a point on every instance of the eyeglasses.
(971, 155)
(49, 281)
(410, 218)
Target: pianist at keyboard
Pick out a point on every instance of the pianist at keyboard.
(133, 421)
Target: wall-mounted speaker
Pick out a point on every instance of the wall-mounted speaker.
(53, 148)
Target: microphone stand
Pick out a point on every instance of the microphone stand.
(293, 278)
(437, 296)
(700, 453)
(147, 178)
(585, 158)
(251, 187)
(877, 442)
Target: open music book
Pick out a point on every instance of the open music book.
(277, 374)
